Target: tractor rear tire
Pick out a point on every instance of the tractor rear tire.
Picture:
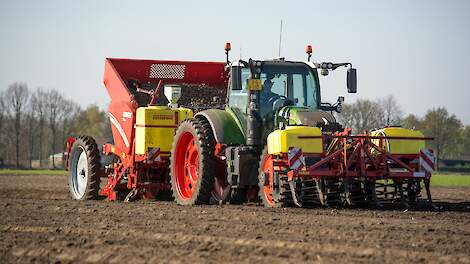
(192, 166)
(84, 169)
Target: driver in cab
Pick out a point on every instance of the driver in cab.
(267, 96)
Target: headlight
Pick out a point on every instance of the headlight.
(339, 108)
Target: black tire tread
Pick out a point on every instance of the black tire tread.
(94, 166)
(205, 140)
(286, 196)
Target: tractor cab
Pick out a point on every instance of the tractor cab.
(283, 84)
(289, 94)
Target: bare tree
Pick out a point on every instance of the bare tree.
(54, 113)
(391, 110)
(39, 106)
(361, 115)
(16, 98)
(71, 112)
(31, 130)
(2, 121)
(2, 109)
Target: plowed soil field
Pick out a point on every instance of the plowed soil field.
(40, 224)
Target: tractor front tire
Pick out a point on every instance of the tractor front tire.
(84, 169)
(265, 176)
(192, 166)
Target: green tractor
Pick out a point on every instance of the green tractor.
(270, 140)
(242, 153)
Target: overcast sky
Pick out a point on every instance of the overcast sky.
(418, 51)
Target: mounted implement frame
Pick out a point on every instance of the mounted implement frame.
(353, 169)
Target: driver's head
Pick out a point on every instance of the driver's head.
(268, 83)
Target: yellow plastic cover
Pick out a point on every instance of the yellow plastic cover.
(400, 146)
(279, 141)
(155, 127)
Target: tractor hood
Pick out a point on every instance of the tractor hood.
(294, 115)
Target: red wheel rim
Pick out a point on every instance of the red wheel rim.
(186, 167)
(268, 185)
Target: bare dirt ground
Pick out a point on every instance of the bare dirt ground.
(40, 224)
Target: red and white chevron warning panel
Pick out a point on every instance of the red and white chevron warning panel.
(427, 163)
(153, 155)
(296, 159)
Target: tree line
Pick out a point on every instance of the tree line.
(451, 137)
(36, 124)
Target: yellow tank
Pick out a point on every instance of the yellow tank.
(279, 141)
(155, 127)
(400, 146)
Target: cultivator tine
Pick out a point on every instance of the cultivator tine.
(227, 194)
(321, 194)
(427, 183)
(131, 196)
(294, 195)
(354, 192)
(333, 192)
(347, 193)
(413, 189)
(402, 195)
(373, 193)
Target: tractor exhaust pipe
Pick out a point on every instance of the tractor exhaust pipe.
(253, 121)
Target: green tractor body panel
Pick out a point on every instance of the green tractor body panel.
(288, 115)
(225, 125)
(228, 128)
(305, 116)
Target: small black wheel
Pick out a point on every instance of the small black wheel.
(84, 169)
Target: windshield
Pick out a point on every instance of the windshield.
(296, 82)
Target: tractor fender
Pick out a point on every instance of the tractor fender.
(224, 126)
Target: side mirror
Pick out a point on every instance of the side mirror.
(236, 78)
(351, 80)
